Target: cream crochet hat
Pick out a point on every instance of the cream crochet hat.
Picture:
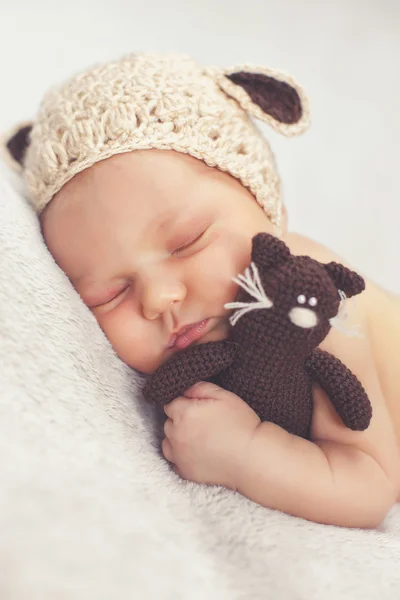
(145, 101)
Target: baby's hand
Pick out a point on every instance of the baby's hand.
(207, 434)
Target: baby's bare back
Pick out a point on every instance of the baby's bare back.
(384, 330)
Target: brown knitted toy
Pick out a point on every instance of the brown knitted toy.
(270, 360)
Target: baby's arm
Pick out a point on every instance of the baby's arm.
(340, 477)
(327, 482)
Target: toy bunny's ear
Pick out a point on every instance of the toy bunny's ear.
(345, 279)
(269, 251)
(268, 95)
(15, 144)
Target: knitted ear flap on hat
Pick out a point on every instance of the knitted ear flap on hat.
(268, 95)
(15, 144)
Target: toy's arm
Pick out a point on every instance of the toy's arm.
(186, 368)
(342, 387)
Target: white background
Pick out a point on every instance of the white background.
(341, 181)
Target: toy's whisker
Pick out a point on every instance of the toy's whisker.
(339, 321)
(244, 286)
(235, 318)
(244, 308)
(251, 283)
(231, 305)
(246, 281)
(258, 280)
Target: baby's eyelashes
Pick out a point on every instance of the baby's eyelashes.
(118, 294)
(105, 298)
(187, 245)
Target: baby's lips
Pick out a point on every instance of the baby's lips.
(172, 341)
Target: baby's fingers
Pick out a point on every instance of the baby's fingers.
(175, 408)
(205, 390)
(167, 449)
(168, 426)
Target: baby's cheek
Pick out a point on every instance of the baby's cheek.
(129, 339)
(216, 269)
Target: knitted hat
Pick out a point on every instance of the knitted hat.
(145, 101)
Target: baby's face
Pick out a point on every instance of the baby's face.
(151, 241)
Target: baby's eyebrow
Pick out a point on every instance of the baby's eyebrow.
(165, 221)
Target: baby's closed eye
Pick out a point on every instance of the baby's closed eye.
(188, 244)
(107, 297)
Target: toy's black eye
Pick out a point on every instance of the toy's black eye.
(301, 299)
(313, 301)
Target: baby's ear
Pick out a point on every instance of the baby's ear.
(268, 95)
(15, 143)
(345, 279)
(269, 251)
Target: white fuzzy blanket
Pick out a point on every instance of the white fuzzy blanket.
(88, 507)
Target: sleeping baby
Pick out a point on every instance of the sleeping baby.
(150, 181)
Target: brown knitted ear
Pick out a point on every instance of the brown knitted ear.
(275, 98)
(269, 251)
(346, 280)
(14, 144)
(18, 143)
(272, 96)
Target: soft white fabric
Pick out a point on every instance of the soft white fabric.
(88, 507)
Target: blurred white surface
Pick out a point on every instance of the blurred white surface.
(340, 178)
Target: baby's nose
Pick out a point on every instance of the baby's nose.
(158, 295)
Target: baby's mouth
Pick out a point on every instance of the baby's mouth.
(188, 335)
(209, 330)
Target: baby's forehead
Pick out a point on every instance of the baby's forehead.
(135, 197)
(156, 170)
(166, 179)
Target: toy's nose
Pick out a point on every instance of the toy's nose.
(303, 317)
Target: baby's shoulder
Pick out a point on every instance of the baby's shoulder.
(303, 245)
(372, 302)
